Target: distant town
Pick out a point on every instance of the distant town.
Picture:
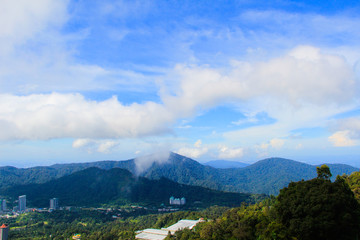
(21, 208)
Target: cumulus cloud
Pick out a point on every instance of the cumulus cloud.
(298, 87)
(263, 149)
(105, 147)
(292, 78)
(347, 132)
(277, 143)
(193, 152)
(342, 139)
(55, 115)
(82, 142)
(230, 153)
(91, 145)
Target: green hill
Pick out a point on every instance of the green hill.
(94, 186)
(266, 176)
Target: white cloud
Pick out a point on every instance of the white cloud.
(193, 152)
(144, 162)
(22, 20)
(230, 153)
(303, 77)
(263, 149)
(91, 145)
(277, 143)
(55, 115)
(106, 146)
(198, 143)
(81, 142)
(347, 132)
(342, 139)
(298, 90)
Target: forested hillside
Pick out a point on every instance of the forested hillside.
(266, 176)
(305, 210)
(94, 186)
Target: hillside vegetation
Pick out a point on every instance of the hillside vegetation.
(267, 176)
(94, 186)
(305, 210)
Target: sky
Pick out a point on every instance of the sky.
(237, 80)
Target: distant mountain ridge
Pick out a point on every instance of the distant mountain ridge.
(225, 164)
(94, 186)
(266, 176)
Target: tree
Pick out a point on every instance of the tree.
(319, 209)
(323, 172)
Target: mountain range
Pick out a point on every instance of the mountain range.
(267, 176)
(94, 186)
(225, 164)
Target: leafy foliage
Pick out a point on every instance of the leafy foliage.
(353, 181)
(319, 209)
(323, 172)
(305, 210)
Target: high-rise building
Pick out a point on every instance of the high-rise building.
(22, 203)
(4, 232)
(3, 206)
(54, 203)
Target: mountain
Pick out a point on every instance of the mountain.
(266, 176)
(10, 176)
(94, 186)
(225, 164)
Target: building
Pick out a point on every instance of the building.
(160, 234)
(3, 206)
(22, 203)
(177, 201)
(4, 232)
(54, 204)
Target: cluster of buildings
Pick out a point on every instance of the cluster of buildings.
(21, 206)
(177, 201)
(160, 234)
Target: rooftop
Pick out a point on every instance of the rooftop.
(182, 224)
(4, 226)
(160, 234)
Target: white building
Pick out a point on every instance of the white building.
(22, 203)
(160, 234)
(54, 203)
(177, 201)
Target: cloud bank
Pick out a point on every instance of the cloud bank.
(303, 80)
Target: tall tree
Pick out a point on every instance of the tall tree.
(323, 172)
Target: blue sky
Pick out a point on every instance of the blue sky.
(237, 80)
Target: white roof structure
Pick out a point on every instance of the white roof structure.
(160, 234)
(181, 225)
(152, 234)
